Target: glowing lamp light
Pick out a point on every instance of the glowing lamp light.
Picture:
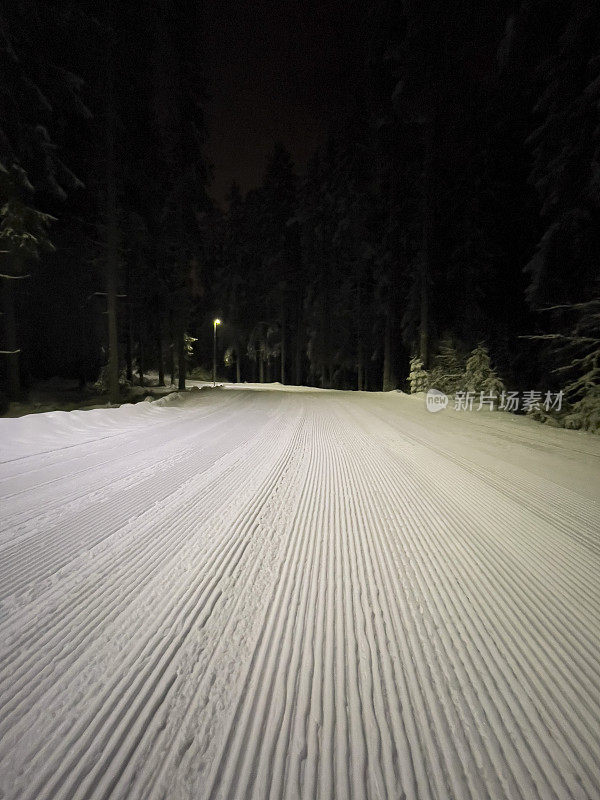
(215, 323)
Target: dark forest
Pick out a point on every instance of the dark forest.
(455, 203)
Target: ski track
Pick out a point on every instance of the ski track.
(288, 595)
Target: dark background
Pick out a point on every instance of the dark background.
(275, 72)
(350, 187)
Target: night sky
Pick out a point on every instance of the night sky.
(275, 71)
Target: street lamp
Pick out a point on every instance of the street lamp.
(215, 323)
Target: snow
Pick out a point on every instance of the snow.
(66, 395)
(280, 593)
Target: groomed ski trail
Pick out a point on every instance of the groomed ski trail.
(279, 594)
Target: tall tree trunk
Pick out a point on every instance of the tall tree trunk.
(367, 348)
(112, 231)
(238, 365)
(261, 368)
(129, 348)
(181, 358)
(129, 323)
(326, 360)
(10, 340)
(283, 333)
(141, 356)
(113, 336)
(171, 348)
(360, 365)
(298, 353)
(424, 321)
(159, 353)
(388, 382)
(428, 233)
(327, 379)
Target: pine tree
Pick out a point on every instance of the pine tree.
(178, 120)
(317, 225)
(231, 278)
(582, 349)
(280, 245)
(448, 369)
(338, 237)
(565, 147)
(111, 219)
(585, 413)
(23, 237)
(479, 375)
(355, 240)
(432, 61)
(578, 352)
(35, 93)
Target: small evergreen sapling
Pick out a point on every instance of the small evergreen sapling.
(448, 369)
(418, 377)
(479, 375)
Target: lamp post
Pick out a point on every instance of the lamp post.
(215, 323)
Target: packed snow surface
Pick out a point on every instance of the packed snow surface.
(298, 594)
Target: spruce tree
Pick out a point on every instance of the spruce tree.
(565, 147)
(578, 353)
(36, 93)
(23, 237)
(479, 375)
(448, 369)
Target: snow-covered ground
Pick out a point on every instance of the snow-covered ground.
(298, 594)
